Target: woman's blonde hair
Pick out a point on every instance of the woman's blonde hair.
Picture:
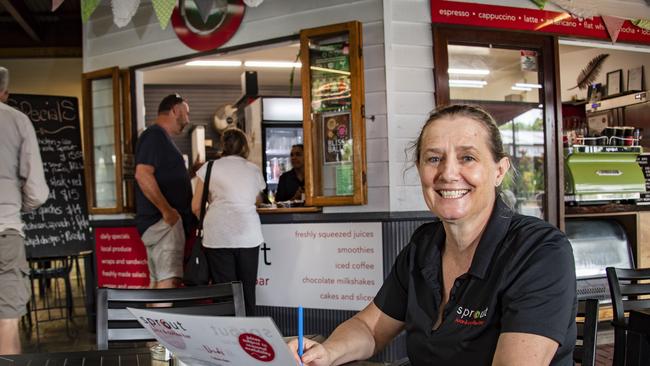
(234, 142)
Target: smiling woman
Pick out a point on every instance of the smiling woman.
(473, 286)
(461, 160)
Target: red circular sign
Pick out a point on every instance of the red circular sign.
(256, 347)
(227, 23)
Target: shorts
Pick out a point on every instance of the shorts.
(165, 245)
(15, 288)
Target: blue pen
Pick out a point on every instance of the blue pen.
(300, 325)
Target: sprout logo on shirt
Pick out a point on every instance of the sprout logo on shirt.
(469, 317)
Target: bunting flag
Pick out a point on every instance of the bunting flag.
(539, 3)
(613, 25)
(163, 10)
(205, 8)
(57, 3)
(256, 3)
(642, 23)
(571, 6)
(87, 9)
(123, 11)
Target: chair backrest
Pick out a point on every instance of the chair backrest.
(115, 323)
(585, 350)
(625, 290)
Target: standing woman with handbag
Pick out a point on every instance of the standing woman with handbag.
(232, 232)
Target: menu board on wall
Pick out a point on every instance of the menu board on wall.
(535, 20)
(60, 226)
(321, 266)
(121, 258)
(330, 77)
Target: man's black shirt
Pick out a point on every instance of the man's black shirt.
(157, 149)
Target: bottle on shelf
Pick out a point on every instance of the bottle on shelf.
(275, 166)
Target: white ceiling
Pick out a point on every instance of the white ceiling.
(205, 75)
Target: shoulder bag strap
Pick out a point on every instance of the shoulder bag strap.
(204, 198)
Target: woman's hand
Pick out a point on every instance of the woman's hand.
(315, 353)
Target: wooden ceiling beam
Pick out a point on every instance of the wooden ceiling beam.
(23, 17)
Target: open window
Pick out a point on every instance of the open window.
(333, 104)
(108, 149)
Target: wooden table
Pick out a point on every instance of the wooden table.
(639, 346)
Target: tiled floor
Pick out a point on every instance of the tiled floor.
(54, 337)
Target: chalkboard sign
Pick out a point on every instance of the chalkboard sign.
(60, 226)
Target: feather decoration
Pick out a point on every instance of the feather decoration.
(590, 72)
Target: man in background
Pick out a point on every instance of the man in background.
(163, 193)
(22, 188)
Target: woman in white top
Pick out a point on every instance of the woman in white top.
(232, 232)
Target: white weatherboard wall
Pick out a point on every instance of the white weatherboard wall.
(143, 41)
(409, 91)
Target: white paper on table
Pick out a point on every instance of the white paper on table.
(217, 340)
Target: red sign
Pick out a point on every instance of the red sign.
(209, 34)
(257, 347)
(505, 17)
(121, 258)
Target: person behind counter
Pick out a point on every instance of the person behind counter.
(232, 231)
(291, 185)
(480, 285)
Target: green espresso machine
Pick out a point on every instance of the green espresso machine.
(600, 174)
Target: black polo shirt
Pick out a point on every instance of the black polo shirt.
(156, 148)
(288, 185)
(522, 279)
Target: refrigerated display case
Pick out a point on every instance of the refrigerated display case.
(280, 119)
(278, 140)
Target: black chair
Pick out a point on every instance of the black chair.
(50, 301)
(585, 350)
(116, 324)
(625, 289)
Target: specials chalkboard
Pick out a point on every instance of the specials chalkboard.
(60, 227)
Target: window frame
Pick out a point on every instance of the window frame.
(313, 173)
(122, 135)
(548, 45)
